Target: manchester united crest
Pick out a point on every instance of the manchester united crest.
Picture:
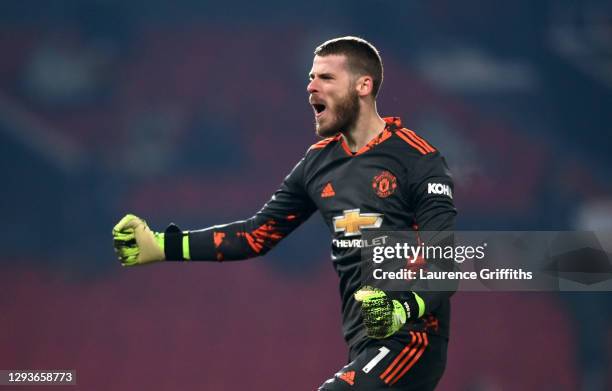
(384, 184)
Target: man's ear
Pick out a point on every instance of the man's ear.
(364, 85)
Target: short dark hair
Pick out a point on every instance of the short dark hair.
(362, 57)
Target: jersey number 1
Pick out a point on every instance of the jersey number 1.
(383, 351)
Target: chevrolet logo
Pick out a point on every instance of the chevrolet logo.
(352, 222)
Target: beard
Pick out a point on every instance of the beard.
(346, 110)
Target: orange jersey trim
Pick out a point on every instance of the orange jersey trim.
(414, 359)
(415, 141)
(264, 235)
(418, 139)
(324, 142)
(412, 143)
(384, 135)
(408, 356)
(399, 356)
(218, 238)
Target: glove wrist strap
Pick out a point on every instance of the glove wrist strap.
(176, 244)
(414, 306)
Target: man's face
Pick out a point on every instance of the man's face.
(333, 96)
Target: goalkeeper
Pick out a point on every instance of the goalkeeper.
(367, 174)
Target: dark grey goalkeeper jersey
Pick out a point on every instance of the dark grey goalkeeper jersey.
(397, 182)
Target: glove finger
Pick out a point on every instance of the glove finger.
(124, 243)
(127, 252)
(129, 261)
(126, 238)
(124, 235)
(127, 255)
(128, 221)
(123, 239)
(362, 293)
(367, 293)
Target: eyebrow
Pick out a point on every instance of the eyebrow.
(321, 75)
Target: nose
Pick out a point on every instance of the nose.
(312, 86)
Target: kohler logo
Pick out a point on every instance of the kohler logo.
(439, 189)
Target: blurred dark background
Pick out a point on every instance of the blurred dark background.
(194, 111)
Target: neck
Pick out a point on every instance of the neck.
(368, 125)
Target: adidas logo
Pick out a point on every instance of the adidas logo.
(328, 191)
(348, 377)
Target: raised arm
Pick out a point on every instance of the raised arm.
(289, 207)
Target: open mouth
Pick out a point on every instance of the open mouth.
(319, 108)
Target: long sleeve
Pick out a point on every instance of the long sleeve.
(431, 194)
(289, 207)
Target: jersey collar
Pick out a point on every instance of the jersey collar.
(392, 124)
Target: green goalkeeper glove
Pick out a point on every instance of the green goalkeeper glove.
(135, 243)
(382, 316)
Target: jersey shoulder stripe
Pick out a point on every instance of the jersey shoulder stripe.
(323, 143)
(420, 140)
(415, 141)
